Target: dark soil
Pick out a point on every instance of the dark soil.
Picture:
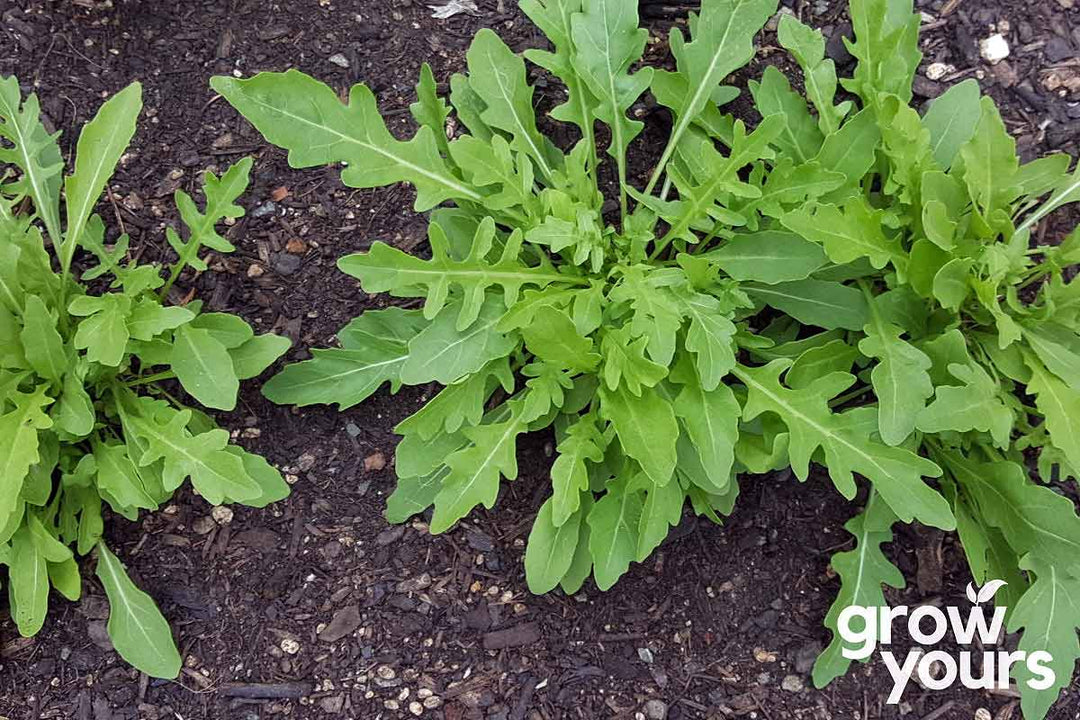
(384, 617)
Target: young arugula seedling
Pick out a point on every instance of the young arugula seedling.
(84, 419)
(850, 284)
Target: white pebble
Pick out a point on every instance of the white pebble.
(994, 49)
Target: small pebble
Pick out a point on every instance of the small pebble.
(994, 49)
(792, 683)
(655, 710)
(936, 71)
(222, 514)
(339, 60)
(289, 646)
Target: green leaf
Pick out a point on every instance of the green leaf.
(442, 353)
(221, 194)
(862, 572)
(149, 319)
(895, 472)
(581, 563)
(255, 355)
(976, 405)
(886, 47)
(951, 286)
(104, 332)
(801, 138)
(42, 345)
(951, 120)
(231, 331)
(101, 143)
(216, 473)
(711, 422)
(19, 445)
(710, 337)
(570, 473)
(384, 269)
(429, 109)
(475, 470)
(661, 511)
(990, 162)
(118, 479)
(625, 363)
(414, 495)
(205, 369)
(900, 378)
(646, 428)
(847, 233)
(613, 529)
(550, 549)
(850, 150)
(1049, 614)
(553, 338)
(807, 45)
(497, 76)
(1033, 518)
(609, 41)
(833, 356)
(768, 256)
(305, 116)
(1058, 348)
(28, 583)
(136, 627)
(722, 41)
(272, 486)
(1060, 405)
(33, 151)
(64, 577)
(74, 409)
(815, 302)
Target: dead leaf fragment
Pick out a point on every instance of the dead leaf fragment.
(279, 194)
(296, 246)
(374, 461)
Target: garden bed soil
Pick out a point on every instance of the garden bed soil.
(720, 622)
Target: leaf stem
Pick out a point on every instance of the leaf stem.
(164, 375)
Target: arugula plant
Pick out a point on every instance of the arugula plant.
(85, 422)
(852, 284)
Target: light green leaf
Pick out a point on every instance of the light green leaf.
(661, 511)
(387, 269)
(497, 76)
(33, 151)
(900, 378)
(569, 473)
(414, 495)
(430, 110)
(895, 472)
(19, 445)
(74, 410)
(148, 319)
(205, 369)
(475, 470)
(833, 356)
(552, 337)
(862, 572)
(613, 528)
(847, 234)
(101, 143)
(257, 354)
(1033, 518)
(64, 577)
(442, 353)
(711, 422)
(550, 549)
(801, 138)
(710, 338)
(646, 428)
(768, 256)
(815, 302)
(104, 332)
(608, 42)
(990, 161)
(722, 41)
(1049, 614)
(850, 150)
(232, 331)
(28, 583)
(136, 627)
(807, 45)
(42, 345)
(951, 120)
(1060, 405)
(305, 116)
(976, 405)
